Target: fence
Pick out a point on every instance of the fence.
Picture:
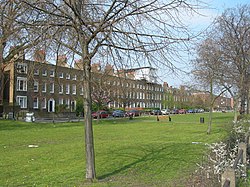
(228, 178)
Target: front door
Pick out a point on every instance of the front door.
(51, 105)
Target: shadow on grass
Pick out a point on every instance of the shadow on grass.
(143, 157)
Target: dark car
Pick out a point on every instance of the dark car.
(101, 114)
(133, 113)
(156, 112)
(118, 113)
(175, 111)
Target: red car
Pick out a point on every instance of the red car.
(101, 114)
(182, 111)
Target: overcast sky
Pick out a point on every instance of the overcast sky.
(197, 23)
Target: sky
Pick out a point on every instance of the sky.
(197, 23)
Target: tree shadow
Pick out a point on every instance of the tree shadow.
(150, 154)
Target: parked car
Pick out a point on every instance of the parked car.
(182, 111)
(165, 111)
(201, 110)
(133, 113)
(175, 111)
(190, 111)
(118, 113)
(156, 112)
(101, 114)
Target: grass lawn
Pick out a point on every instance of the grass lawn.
(138, 152)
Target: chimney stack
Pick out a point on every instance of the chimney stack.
(78, 64)
(62, 61)
(39, 55)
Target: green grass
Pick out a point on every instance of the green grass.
(138, 152)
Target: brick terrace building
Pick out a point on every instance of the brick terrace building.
(39, 87)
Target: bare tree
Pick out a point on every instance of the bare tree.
(226, 52)
(234, 34)
(125, 33)
(208, 68)
(16, 38)
(11, 43)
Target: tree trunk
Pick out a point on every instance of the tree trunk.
(247, 109)
(210, 119)
(1, 73)
(211, 108)
(89, 137)
(235, 105)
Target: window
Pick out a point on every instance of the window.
(36, 71)
(36, 86)
(21, 84)
(67, 89)
(60, 101)
(74, 77)
(35, 102)
(22, 68)
(74, 89)
(22, 101)
(44, 72)
(51, 87)
(43, 103)
(81, 90)
(61, 88)
(67, 103)
(61, 75)
(52, 73)
(67, 76)
(73, 105)
(44, 87)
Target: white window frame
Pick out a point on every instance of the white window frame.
(61, 75)
(52, 73)
(74, 77)
(73, 105)
(67, 76)
(35, 103)
(44, 103)
(81, 90)
(36, 71)
(51, 87)
(36, 86)
(74, 89)
(61, 89)
(67, 89)
(21, 84)
(44, 87)
(67, 102)
(21, 67)
(44, 72)
(22, 101)
(60, 101)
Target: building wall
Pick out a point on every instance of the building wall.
(44, 88)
